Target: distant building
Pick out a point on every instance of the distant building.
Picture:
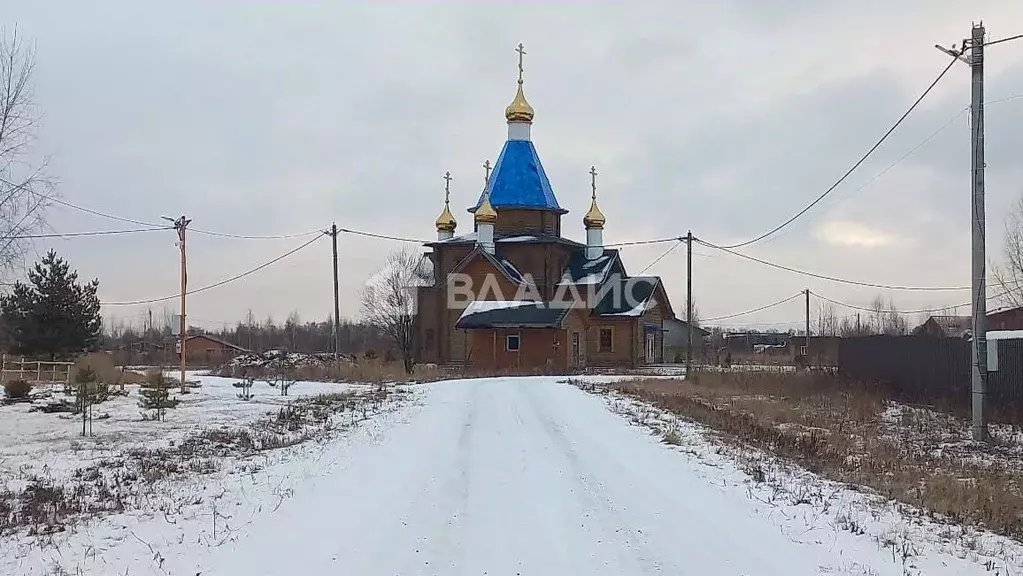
(946, 326)
(204, 349)
(1005, 319)
(513, 293)
(676, 339)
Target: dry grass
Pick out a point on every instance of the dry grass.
(852, 433)
(365, 371)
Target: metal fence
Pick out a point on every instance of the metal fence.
(932, 369)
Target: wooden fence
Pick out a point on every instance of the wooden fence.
(36, 371)
(932, 369)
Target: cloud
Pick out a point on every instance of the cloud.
(844, 233)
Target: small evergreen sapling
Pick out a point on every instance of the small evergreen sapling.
(156, 396)
(280, 371)
(245, 384)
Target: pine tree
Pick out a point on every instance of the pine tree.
(53, 315)
(155, 392)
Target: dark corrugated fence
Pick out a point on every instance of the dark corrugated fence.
(927, 369)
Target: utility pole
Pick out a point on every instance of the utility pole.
(978, 281)
(807, 351)
(181, 225)
(689, 304)
(337, 310)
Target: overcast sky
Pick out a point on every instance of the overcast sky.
(724, 118)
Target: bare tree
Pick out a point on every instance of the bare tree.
(696, 315)
(389, 300)
(895, 324)
(878, 314)
(1009, 276)
(827, 320)
(25, 189)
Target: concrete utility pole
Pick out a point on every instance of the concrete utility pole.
(337, 309)
(978, 282)
(689, 304)
(806, 352)
(181, 224)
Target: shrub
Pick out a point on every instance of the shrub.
(155, 395)
(17, 388)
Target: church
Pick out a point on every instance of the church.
(514, 294)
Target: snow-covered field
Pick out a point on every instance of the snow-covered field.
(517, 476)
(34, 443)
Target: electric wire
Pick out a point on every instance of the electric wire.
(833, 278)
(747, 312)
(216, 284)
(919, 311)
(862, 159)
(88, 233)
(661, 257)
(1000, 40)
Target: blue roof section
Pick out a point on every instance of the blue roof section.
(519, 181)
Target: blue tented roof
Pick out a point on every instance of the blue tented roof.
(519, 181)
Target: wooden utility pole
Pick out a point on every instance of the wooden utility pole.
(337, 307)
(689, 304)
(181, 225)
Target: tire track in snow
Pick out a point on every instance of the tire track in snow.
(596, 498)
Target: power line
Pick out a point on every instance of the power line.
(256, 236)
(90, 233)
(643, 242)
(854, 166)
(216, 284)
(661, 257)
(737, 314)
(833, 278)
(162, 227)
(920, 311)
(1009, 39)
(104, 214)
(381, 236)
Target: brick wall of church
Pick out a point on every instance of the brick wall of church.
(545, 262)
(623, 349)
(515, 222)
(539, 349)
(493, 284)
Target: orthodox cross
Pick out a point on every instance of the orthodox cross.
(447, 187)
(522, 51)
(593, 180)
(486, 166)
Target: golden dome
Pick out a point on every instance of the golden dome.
(446, 221)
(519, 110)
(485, 213)
(594, 218)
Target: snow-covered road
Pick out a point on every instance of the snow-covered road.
(524, 477)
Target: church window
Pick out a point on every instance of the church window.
(606, 341)
(512, 342)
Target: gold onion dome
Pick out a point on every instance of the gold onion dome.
(485, 213)
(519, 110)
(446, 221)
(594, 218)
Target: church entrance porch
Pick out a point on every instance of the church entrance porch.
(519, 349)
